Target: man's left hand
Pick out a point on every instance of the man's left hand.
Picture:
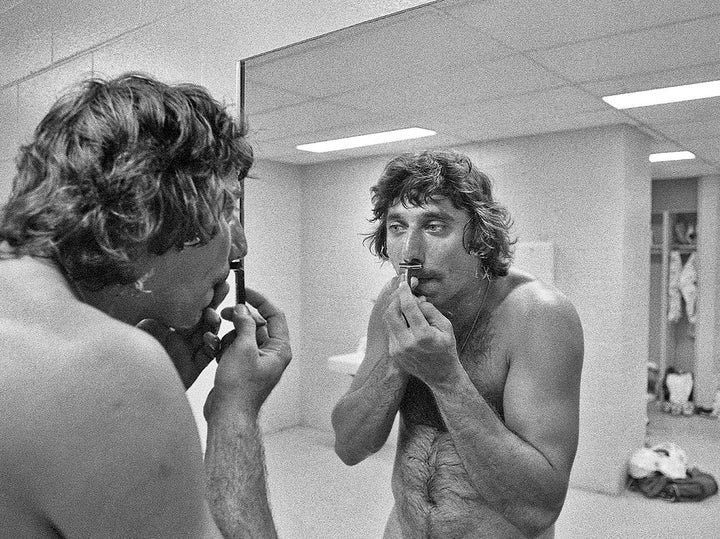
(421, 339)
(191, 349)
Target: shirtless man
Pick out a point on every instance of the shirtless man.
(120, 214)
(482, 361)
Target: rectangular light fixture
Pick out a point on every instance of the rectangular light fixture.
(660, 96)
(365, 140)
(670, 156)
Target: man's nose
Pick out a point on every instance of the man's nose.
(413, 248)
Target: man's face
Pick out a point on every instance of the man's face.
(182, 284)
(432, 234)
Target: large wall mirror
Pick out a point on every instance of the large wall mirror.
(485, 75)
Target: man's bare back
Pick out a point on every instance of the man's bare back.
(73, 385)
(115, 245)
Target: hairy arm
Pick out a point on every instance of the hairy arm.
(252, 362)
(521, 466)
(363, 417)
(234, 463)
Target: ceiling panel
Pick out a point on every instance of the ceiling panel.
(473, 82)
(695, 131)
(265, 98)
(485, 70)
(707, 148)
(648, 51)
(544, 24)
(686, 111)
(6, 5)
(553, 110)
(309, 117)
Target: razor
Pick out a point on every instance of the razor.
(408, 269)
(237, 267)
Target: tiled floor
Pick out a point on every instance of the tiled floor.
(315, 496)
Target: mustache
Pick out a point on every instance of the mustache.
(427, 275)
(423, 272)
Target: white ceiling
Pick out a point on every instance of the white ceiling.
(485, 70)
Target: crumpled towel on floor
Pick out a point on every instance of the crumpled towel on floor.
(662, 471)
(667, 458)
(696, 486)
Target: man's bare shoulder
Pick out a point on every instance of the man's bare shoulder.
(533, 315)
(526, 295)
(94, 415)
(75, 342)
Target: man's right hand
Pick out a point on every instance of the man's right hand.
(250, 362)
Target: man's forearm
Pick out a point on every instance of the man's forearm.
(363, 418)
(511, 475)
(236, 487)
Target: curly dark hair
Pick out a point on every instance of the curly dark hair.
(121, 168)
(414, 179)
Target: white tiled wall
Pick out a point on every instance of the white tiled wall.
(25, 39)
(168, 49)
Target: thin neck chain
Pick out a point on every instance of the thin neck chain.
(477, 317)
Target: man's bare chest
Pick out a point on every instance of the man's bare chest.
(487, 367)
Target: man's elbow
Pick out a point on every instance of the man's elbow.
(537, 527)
(346, 454)
(346, 444)
(537, 520)
(351, 452)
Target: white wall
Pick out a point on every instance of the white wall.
(587, 192)
(707, 342)
(342, 277)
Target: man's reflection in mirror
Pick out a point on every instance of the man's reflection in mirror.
(481, 360)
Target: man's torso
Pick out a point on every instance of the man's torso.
(433, 493)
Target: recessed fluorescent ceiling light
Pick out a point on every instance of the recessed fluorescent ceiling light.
(672, 94)
(671, 156)
(365, 140)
